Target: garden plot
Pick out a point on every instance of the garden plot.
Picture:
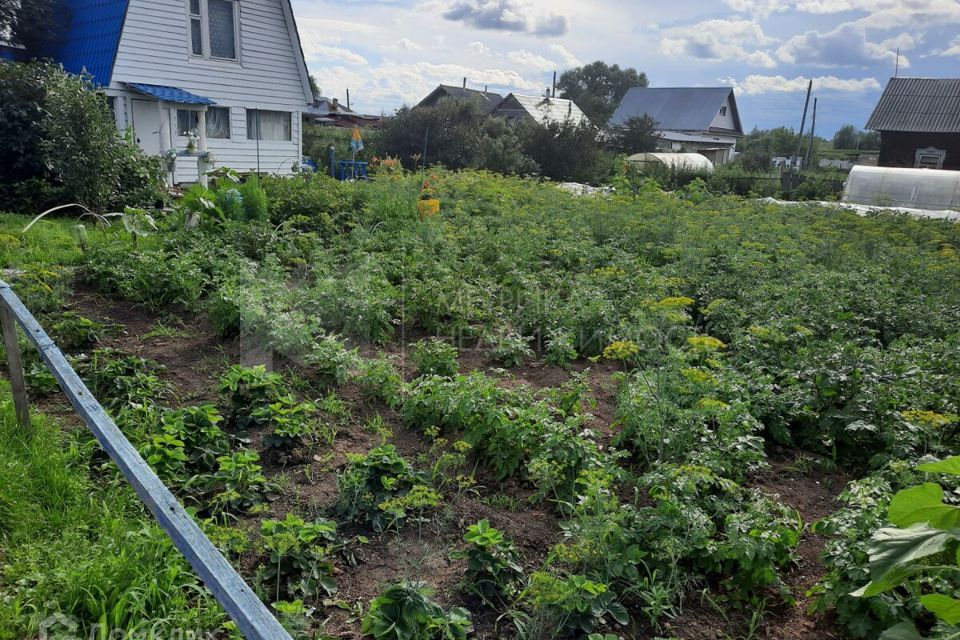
(532, 416)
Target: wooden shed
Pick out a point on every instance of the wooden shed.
(919, 123)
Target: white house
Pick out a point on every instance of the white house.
(227, 75)
(702, 120)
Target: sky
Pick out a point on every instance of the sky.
(390, 53)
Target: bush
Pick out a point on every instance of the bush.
(63, 132)
(435, 357)
(370, 482)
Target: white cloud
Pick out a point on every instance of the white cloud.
(565, 55)
(324, 52)
(759, 84)
(478, 48)
(720, 40)
(845, 46)
(530, 60)
(322, 27)
(406, 44)
(953, 49)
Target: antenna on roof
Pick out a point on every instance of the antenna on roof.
(348, 99)
(896, 71)
(464, 83)
(554, 92)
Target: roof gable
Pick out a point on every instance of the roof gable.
(677, 108)
(921, 105)
(91, 37)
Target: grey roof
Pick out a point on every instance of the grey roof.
(488, 99)
(676, 108)
(926, 105)
(542, 109)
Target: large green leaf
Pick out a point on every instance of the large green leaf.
(949, 465)
(944, 607)
(923, 503)
(902, 631)
(894, 547)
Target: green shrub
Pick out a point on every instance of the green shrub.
(370, 482)
(404, 611)
(118, 380)
(569, 607)
(511, 349)
(435, 357)
(493, 568)
(74, 331)
(292, 423)
(250, 389)
(299, 555)
(331, 361)
(380, 379)
(254, 200)
(238, 486)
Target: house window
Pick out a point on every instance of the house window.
(930, 158)
(188, 122)
(196, 28)
(723, 111)
(269, 125)
(218, 122)
(213, 28)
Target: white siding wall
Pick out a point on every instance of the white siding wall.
(154, 49)
(725, 121)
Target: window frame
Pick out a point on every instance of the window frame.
(204, 19)
(723, 112)
(196, 114)
(929, 152)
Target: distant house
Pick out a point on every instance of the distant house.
(919, 123)
(701, 120)
(208, 75)
(332, 112)
(540, 109)
(487, 100)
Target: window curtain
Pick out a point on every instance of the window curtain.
(274, 125)
(223, 40)
(218, 122)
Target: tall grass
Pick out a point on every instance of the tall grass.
(83, 548)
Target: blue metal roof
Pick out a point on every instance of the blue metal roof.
(676, 109)
(169, 94)
(91, 37)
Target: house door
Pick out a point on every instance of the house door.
(146, 125)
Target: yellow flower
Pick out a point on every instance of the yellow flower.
(698, 376)
(705, 343)
(673, 303)
(621, 350)
(929, 419)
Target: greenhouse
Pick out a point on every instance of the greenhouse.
(911, 188)
(684, 161)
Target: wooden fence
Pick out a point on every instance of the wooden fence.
(251, 616)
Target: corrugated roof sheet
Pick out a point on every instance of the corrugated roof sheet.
(545, 110)
(676, 108)
(169, 94)
(91, 37)
(923, 105)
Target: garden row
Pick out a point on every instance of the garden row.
(736, 326)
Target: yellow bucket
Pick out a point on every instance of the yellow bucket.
(428, 208)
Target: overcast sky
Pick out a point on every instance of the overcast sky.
(394, 52)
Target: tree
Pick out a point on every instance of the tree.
(566, 151)
(33, 24)
(637, 135)
(845, 137)
(597, 88)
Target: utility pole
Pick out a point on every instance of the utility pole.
(803, 124)
(553, 94)
(813, 129)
